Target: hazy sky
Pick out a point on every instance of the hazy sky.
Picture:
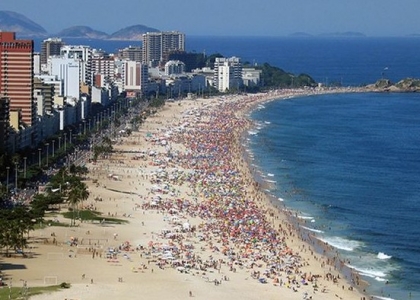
(227, 17)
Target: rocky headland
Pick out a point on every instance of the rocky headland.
(404, 85)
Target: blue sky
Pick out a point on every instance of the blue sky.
(227, 17)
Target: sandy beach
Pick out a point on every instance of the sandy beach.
(198, 225)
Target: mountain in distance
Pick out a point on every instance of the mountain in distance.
(26, 28)
(131, 32)
(300, 34)
(82, 32)
(128, 33)
(347, 34)
(12, 21)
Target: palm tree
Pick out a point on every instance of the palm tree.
(77, 194)
(83, 192)
(78, 170)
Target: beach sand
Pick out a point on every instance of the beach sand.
(198, 224)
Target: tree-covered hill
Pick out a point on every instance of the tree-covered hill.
(275, 77)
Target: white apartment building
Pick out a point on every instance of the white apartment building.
(84, 55)
(227, 73)
(68, 71)
(251, 77)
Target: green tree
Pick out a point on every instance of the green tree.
(43, 202)
(78, 193)
(274, 77)
(14, 224)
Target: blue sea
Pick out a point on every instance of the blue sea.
(344, 61)
(348, 164)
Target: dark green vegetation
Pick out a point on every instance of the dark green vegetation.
(15, 224)
(274, 77)
(103, 148)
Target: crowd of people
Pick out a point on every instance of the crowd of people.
(229, 209)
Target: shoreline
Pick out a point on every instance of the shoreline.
(322, 248)
(228, 230)
(334, 258)
(327, 252)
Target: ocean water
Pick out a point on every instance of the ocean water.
(344, 61)
(349, 165)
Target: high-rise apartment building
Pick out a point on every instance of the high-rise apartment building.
(103, 66)
(16, 75)
(157, 45)
(227, 73)
(50, 47)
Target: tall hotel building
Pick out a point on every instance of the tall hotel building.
(157, 45)
(16, 75)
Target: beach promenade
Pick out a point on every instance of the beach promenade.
(199, 226)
